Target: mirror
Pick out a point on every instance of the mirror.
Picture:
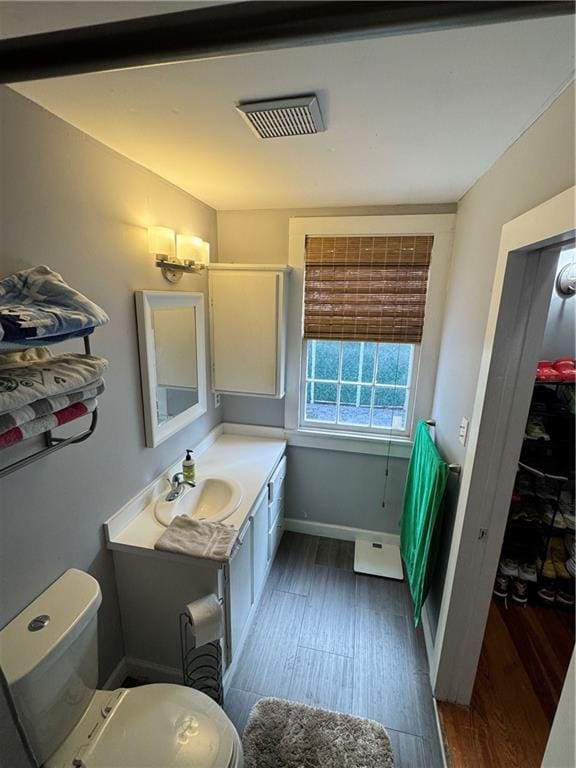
(172, 360)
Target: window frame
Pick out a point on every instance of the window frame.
(441, 226)
(331, 427)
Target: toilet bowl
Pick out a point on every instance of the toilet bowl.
(49, 656)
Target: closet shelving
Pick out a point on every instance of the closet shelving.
(52, 443)
(545, 479)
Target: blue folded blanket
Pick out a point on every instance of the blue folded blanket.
(38, 307)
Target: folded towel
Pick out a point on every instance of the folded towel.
(12, 346)
(36, 303)
(45, 423)
(185, 536)
(25, 382)
(48, 405)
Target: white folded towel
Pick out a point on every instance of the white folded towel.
(185, 536)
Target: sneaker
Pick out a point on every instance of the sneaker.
(571, 566)
(555, 516)
(546, 595)
(528, 572)
(570, 544)
(502, 585)
(565, 598)
(520, 591)
(535, 429)
(508, 566)
(568, 518)
(558, 554)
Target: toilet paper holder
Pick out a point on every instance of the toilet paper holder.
(202, 665)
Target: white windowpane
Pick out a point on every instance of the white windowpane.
(394, 364)
(358, 384)
(321, 402)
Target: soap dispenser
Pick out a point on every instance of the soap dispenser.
(189, 467)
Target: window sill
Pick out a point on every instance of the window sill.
(397, 447)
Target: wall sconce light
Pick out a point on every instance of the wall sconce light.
(176, 254)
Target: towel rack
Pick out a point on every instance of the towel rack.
(52, 443)
(455, 468)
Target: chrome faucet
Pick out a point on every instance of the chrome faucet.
(177, 485)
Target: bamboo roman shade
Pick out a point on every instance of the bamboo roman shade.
(366, 288)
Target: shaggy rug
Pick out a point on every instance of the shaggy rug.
(283, 734)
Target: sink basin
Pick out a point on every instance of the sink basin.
(212, 499)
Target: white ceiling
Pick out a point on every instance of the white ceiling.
(411, 119)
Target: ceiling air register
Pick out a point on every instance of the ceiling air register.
(298, 116)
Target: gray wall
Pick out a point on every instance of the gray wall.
(333, 487)
(559, 336)
(343, 488)
(537, 167)
(71, 203)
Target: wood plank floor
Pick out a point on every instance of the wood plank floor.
(522, 666)
(327, 637)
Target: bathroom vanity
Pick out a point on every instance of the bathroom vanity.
(154, 587)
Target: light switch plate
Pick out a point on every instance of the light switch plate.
(463, 432)
(216, 400)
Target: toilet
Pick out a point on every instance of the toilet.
(49, 656)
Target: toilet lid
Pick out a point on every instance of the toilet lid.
(163, 726)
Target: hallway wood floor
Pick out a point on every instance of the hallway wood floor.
(523, 663)
(328, 637)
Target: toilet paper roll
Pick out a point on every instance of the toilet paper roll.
(207, 619)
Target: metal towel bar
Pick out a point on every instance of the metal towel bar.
(456, 468)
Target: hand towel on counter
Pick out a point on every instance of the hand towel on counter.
(207, 619)
(45, 423)
(37, 304)
(25, 378)
(47, 405)
(185, 536)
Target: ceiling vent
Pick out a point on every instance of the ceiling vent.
(298, 116)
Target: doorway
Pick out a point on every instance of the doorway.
(526, 270)
(529, 637)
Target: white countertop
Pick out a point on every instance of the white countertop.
(248, 460)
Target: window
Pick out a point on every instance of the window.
(358, 385)
(364, 304)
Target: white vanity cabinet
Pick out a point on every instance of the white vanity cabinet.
(248, 306)
(154, 587)
(250, 566)
(240, 590)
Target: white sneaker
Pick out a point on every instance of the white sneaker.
(509, 566)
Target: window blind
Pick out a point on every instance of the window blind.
(366, 288)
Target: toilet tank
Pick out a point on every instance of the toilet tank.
(49, 656)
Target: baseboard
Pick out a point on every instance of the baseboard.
(343, 532)
(154, 673)
(117, 676)
(440, 733)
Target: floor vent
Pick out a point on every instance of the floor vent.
(298, 116)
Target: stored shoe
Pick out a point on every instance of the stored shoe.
(535, 429)
(565, 598)
(571, 566)
(528, 572)
(508, 566)
(501, 585)
(558, 553)
(546, 595)
(520, 591)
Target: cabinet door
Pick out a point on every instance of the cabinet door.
(260, 540)
(244, 322)
(241, 589)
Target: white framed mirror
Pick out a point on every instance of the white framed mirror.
(171, 339)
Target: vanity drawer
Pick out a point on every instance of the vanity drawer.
(275, 511)
(274, 536)
(276, 482)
